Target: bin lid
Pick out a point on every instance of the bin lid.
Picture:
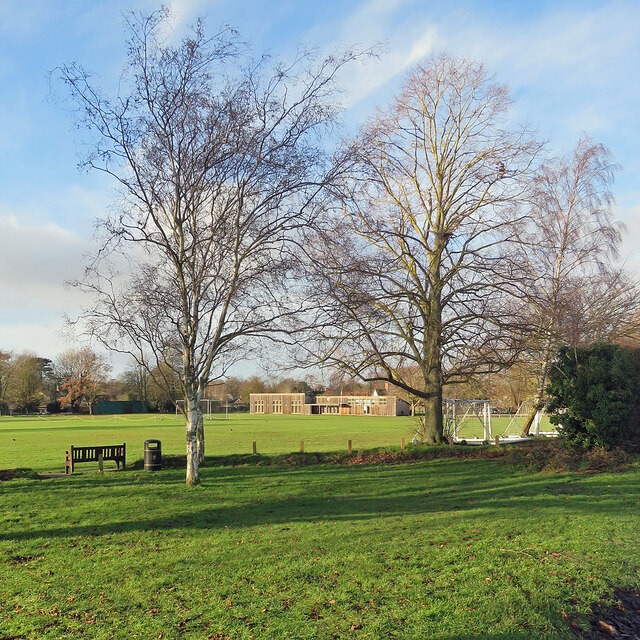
(156, 442)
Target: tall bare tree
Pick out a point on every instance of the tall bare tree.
(136, 383)
(568, 243)
(221, 167)
(82, 374)
(413, 268)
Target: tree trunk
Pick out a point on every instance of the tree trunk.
(433, 426)
(193, 405)
(200, 438)
(433, 419)
(538, 401)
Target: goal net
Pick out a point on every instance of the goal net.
(207, 406)
(467, 420)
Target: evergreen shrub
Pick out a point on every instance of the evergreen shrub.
(594, 395)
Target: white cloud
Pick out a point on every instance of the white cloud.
(35, 262)
(182, 13)
(40, 338)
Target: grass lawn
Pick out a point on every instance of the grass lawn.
(463, 549)
(39, 443)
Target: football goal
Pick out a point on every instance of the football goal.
(208, 406)
(467, 421)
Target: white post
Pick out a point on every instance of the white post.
(536, 423)
(455, 420)
(489, 436)
(484, 420)
(447, 413)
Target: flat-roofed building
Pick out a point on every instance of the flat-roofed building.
(304, 404)
(280, 403)
(373, 405)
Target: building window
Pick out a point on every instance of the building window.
(259, 406)
(296, 406)
(277, 406)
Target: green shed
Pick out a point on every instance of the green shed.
(120, 406)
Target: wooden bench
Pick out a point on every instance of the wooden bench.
(115, 452)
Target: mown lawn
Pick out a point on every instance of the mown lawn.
(39, 443)
(446, 549)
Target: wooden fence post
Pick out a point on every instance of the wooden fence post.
(402, 444)
(254, 448)
(349, 446)
(301, 446)
(497, 441)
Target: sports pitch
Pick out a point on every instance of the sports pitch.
(39, 442)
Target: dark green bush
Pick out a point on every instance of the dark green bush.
(594, 395)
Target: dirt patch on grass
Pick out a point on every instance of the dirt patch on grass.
(10, 474)
(552, 456)
(535, 455)
(615, 618)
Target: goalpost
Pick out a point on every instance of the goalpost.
(467, 420)
(515, 428)
(205, 405)
(470, 422)
(208, 406)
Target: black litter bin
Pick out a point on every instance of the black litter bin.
(152, 455)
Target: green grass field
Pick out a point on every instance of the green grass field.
(447, 549)
(39, 443)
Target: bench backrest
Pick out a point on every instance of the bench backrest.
(90, 454)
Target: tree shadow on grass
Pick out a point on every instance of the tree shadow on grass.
(483, 489)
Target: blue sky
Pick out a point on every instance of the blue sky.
(572, 67)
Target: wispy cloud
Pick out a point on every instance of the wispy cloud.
(387, 26)
(183, 13)
(566, 51)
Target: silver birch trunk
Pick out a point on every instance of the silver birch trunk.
(200, 438)
(192, 413)
(543, 374)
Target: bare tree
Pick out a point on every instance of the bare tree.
(413, 270)
(82, 374)
(568, 243)
(221, 167)
(136, 383)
